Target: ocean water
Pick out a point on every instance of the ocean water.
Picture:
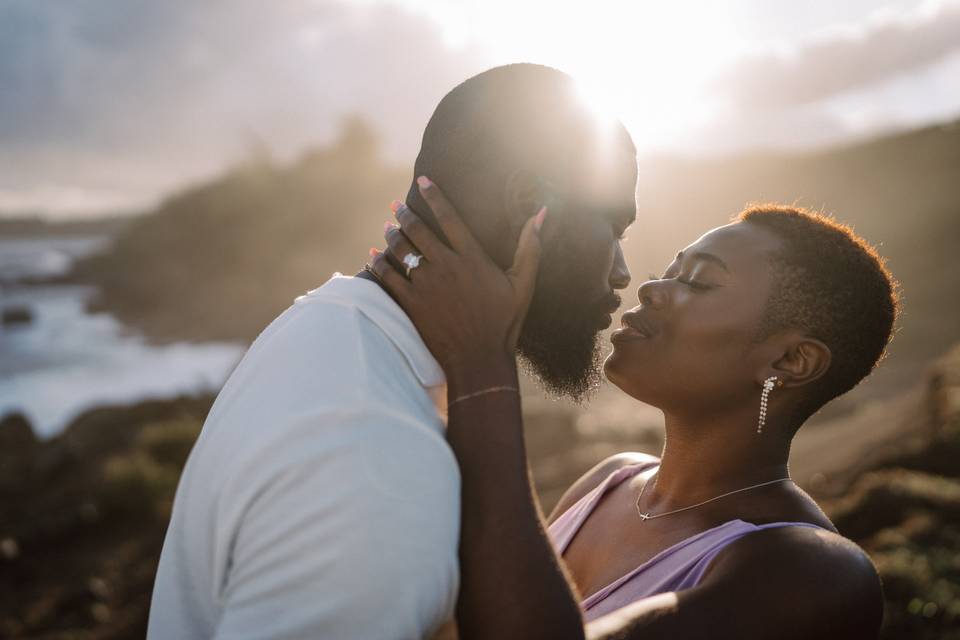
(44, 257)
(66, 360)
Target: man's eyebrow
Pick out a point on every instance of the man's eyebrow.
(706, 257)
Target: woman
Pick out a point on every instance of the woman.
(748, 332)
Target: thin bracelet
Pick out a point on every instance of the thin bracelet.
(467, 396)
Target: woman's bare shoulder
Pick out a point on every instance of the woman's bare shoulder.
(589, 481)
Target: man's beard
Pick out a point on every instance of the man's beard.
(560, 341)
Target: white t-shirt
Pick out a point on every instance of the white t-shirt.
(321, 499)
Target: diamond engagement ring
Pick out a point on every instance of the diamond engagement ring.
(412, 261)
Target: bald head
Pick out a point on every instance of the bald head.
(500, 139)
(506, 142)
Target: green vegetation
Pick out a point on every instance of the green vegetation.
(141, 482)
(905, 512)
(220, 260)
(82, 519)
(907, 517)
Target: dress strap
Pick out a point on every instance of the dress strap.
(566, 526)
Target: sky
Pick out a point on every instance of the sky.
(107, 105)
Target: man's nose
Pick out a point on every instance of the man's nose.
(619, 273)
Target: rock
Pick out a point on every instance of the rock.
(17, 449)
(14, 316)
(16, 434)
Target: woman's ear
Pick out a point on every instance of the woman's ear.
(804, 360)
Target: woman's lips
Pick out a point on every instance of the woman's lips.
(631, 328)
(627, 334)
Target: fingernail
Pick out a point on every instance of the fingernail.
(395, 206)
(540, 217)
(387, 226)
(373, 252)
(424, 182)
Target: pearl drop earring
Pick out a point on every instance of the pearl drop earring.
(768, 385)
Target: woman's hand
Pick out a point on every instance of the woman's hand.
(468, 311)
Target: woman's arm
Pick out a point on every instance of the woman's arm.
(515, 590)
(782, 583)
(469, 313)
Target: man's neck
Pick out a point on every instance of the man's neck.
(367, 275)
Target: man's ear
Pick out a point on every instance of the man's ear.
(803, 360)
(524, 194)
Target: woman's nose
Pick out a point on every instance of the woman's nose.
(651, 294)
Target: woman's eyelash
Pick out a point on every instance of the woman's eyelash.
(694, 285)
(690, 283)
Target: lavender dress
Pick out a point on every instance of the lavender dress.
(677, 567)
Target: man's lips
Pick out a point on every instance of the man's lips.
(611, 304)
(607, 309)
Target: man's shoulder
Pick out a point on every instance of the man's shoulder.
(315, 312)
(316, 325)
(340, 315)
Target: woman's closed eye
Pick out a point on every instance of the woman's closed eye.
(693, 284)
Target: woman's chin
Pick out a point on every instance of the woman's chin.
(614, 373)
(618, 376)
(616, 365)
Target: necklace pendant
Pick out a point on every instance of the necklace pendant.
(644, 516)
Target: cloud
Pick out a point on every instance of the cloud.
(840, 61)
(794, 130)
(122, 99)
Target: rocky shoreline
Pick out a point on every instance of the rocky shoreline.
(83, 515)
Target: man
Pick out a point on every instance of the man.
(321, 499)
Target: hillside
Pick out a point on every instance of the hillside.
(34, 226)
(221, 259)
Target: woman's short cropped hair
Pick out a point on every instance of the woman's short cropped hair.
(832, 284)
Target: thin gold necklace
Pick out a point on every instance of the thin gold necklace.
(647, 516)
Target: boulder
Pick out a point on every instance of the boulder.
(14, 316)
(17, 448)
(16, 434)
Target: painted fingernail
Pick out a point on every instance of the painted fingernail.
(373, 252)
(395, 206)
(424, 182)
(540, 217)
(387, 226)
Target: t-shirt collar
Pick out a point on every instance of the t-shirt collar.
(373, 302)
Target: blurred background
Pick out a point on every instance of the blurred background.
(173, 174)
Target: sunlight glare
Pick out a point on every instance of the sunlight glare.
(645, 64)
(599, 101)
